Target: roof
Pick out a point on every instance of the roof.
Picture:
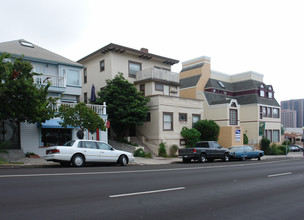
(192, 67)
(121, 49)
(33, 52)
(215, 99)
(189, 81)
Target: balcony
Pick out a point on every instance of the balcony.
(56, 81)
(158, 74)
(99, 109)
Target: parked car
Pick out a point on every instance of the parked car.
(295, 148)
(79, 152)
(204, 151)
(244, 152)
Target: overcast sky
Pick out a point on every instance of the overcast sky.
(265, 36)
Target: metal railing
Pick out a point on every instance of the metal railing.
(99, 109)
(56, 81)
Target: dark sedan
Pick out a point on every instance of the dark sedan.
(245, 152)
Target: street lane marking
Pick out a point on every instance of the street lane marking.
(134, 171)
(279, 174)
(146, 192)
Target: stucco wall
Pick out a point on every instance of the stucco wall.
(228, 136)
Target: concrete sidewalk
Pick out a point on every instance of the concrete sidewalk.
(40, 162)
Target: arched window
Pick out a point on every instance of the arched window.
(262, 91)
(270, 92)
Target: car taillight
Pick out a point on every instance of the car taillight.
(53, 151)
(194, 150)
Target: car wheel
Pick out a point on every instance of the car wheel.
(65, 163)
(123, 161)
(226, 157)
(78, 160)
(259, 157)
(203, 158)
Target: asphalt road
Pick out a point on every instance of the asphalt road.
(272, 189)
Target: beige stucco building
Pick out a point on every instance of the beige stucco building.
(152, 75)
(239, 103)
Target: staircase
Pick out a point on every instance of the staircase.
(147, 149)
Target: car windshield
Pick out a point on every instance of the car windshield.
(69, 143)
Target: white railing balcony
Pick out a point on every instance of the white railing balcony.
(56, 81)
(99, 109)
(159, 74)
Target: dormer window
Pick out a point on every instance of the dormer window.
(221, 84)
(262, 91)
(270, 93)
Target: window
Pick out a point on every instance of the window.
(88, 144)
(233, 119)
(148, 118)
(262, 91)
(195, 118)
(26, 44)
(73, 77)
(142, 89)
(134, 68)
(276, 136)
(221, 84)
(276, 113)
(85, 76)
(182, 142)
(159, 87)
(183, 117)
(85, 97)
(168, 121)
(55, 136)
(261, 112)
(103, 146)
(102, 65)
(269, 135)
(264, 111)
(270, 93)
(38, 68)
(269, 112)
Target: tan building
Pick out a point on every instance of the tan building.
(152, 75)
(239, 103)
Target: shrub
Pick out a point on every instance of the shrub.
(265, 143)
(173, 149)
(139, 153)
(286, 142)
(209, 130)
(283, 149)
(192, 136)
(148, 155)
(162, 150)
(245, 138)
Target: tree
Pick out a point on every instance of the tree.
(192, 136)
(80, 116)
(126, 106)
(209, 130)
(21, 99)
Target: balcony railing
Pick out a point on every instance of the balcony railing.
(159, 74)
(56, 81)
(99, 109)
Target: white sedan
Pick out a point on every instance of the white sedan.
(79, 152)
